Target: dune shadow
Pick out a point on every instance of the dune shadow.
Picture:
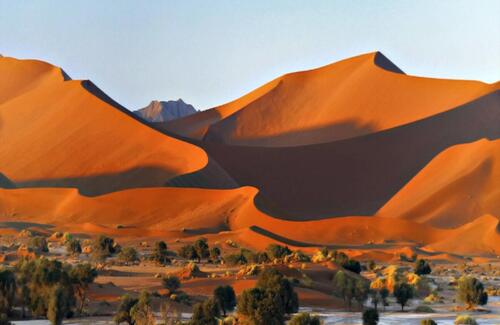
(20, 225)
(354, 176)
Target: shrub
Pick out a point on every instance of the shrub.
(128, 255)
(304, 319)
(82, 275)
(201, 248)
(471, 292)
(261, 307)
(370, 316)
(465, 319)
(424, 309)
(273, 281)
(225, 298)
(427, 322)
(422, 267)
(103, 247)
(353, 266)
(188, 252)
(141, 312)
(57, 306)
(215, 253)
(235, 259)
(171, 283)
(124, 308)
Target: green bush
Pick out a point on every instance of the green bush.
(370, 316)
(465, 320)
(471, 292)
(422, 267)
(424, 309)
(427, 322)
(171, 283)
(128, 255)
(304, 319)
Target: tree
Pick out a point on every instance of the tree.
(275, 251)
(471, 292)
(361, 291)
(201, 248)
(128, 255)
(422, 267)
(370, 316)
(103, 247)
(123, 313)
(39, 244)
(57, 306)
(188, 252)
(73, 246)
(427, 322)
(345, 287)
(225, 298)
(403, 292)
(261, 307)
(304, 319)
(82, 275)
(7, 291)
(160, 253)
(375, 297)
(171, 283)
(273, 281)
(215, 253)
(384, 294)
(141, 313)
(205, 313)
(353, 266)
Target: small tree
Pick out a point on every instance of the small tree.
(201, 248)
(73, 246)
(205, 313)
(215, 253)
(427, 322)
(422, 267)
(305, 319)
(103, 247)
(274, 282)
(123, 313)
(275, 251)
(225, 298)
(471, 292)
(141, 313)
(39, 244)
(128, 255)
(57, 306)
(384, 294)
(370, 316)
(403, 292)
(261, 307)
(82, 275)
(160, 253)
(188, 252)
(171, 283)
(7, 291)
(361, 291)
(353, 266)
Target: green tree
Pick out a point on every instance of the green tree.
(188, 252)
(160, 253)
(82, 275)
(275, 251)
(361, 290)
(142, 313)
(128, 255)
(215, 253)
(422, 267)
(471, 292)
(201, 248)
(171, 283)
(7, 291)
(261, 307)
(370, 316)
(403, 292)
(352, 265)
(304, 319)
(206, 313)
(273, 281)
(73, 246)
(225, 298)
(103, 247)
(384, 294)
(57, 308)
(124, 308)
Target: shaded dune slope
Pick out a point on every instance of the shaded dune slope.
(353, 97)
(355, 176)
(460, 184)
(60, 132)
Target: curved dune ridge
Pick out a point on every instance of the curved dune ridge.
(461, 183)
(353, 97)
(69, 133)
(156, 212)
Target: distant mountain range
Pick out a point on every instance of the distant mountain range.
(161, 111)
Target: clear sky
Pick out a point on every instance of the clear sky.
(209, 52)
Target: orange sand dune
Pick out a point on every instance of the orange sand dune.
(461, 183)
(68, 133)
(191, 212)
(475, 238)
(353, 97)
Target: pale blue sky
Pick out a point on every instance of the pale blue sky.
(210, 52)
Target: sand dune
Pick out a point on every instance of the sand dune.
(461, 183)
(353, 97)
(69, 133)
